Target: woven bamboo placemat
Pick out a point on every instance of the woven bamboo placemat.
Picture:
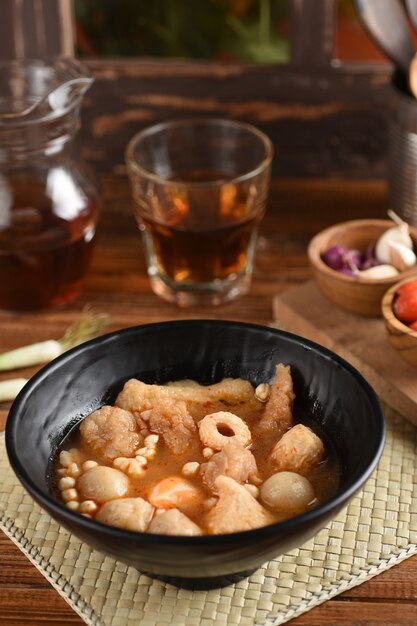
(377, 530)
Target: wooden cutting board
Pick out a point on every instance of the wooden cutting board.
(361, 341)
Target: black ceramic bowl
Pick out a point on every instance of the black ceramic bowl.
(328, 390)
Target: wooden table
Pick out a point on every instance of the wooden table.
(117, 283)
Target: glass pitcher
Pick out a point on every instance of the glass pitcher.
(48, 203)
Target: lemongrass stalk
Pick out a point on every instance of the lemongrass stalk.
(89, 326)
(33, 354)
(10, 388)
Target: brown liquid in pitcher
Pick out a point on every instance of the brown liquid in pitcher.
(207, 233)
(44, 249)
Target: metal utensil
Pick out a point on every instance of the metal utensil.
(386, 23)
(412, 71)
(412, 76)
(412, 11)
(57, 98)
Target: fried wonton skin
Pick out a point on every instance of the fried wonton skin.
(173, 522)
(236, 509)
(277, 415)
(110, 432)
(171, 419)
(233, 461)
(137, 396)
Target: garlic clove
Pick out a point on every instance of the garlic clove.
(379, 271)
(402, 258)
(396, 234)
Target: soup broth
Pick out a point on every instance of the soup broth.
(155, 444)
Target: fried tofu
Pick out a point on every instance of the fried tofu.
(298, 450)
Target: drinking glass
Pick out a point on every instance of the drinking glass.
(199, 189)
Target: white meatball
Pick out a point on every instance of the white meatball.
(130, 513)
(287, 491)
(102, 484)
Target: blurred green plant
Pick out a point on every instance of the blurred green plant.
(246, 30)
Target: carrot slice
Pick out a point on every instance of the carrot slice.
(174, 492)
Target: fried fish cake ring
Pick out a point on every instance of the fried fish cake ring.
(218, 429)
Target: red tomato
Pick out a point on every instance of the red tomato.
(413, 326)
(411, 286)
(405, 307)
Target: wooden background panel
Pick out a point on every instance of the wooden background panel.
(324, 122)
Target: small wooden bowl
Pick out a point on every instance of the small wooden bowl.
(400, 336)
(348, 292)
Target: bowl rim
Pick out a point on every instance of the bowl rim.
(388, 310)
(48, 502)
(135, 168)
(314, 251)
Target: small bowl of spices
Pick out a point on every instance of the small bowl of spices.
(399, 309)
(355, 262)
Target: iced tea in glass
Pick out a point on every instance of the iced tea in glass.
(199, 190)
